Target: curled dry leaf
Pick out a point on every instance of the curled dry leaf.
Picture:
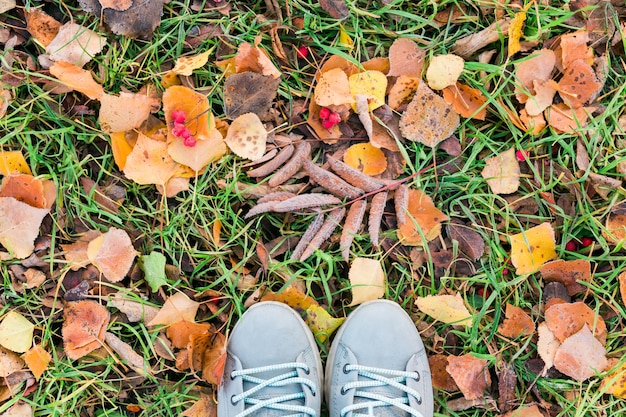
(568, 273)
(532, 248)
(446, 308)
(273, 164)
(333, 89)
(295, 203)
(377, 209)
(444, 70)
(565, 319)
(467, 101)
(287, 171)
(365, 158)
(16, 332)
(75, 44)
(176, 308)
(367, 280)
(84, 327)
(517, 323)
(251, 58)
(112, 253)
(247, 137)
(428, 119)
(470, 374)
(581, 356)
(422, 222)
(19, 226)
(308, 235)
(502, 172)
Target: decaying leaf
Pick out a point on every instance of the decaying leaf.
(467, 101)
(13, 162)
(367, 280)
(176, 308)
(428, 119)
(10, 362)
(517, 323)
(365, 158)
(445, 308)
(124, 112)
(532, 248)
(250, 92)
(75, 44)
(444, 70)
(16, 332)
(247, 137)
(405, 59)
(186, 64)
(337, 9)
(470, 241)
(37, 360)
(568, 273)
(470, 374)
(565, 319)
(19, 226)
(502, 172)
(112, 253)
(581, 356)
(84, 327)
(516, 32)
(402, 91)
(422, 221)
(149, 162)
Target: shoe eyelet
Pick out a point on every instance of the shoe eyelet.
(232, 400)
(345, 369)
(419, 401)
(343, 391)
(307, 371)
(232, 377)
(314, 393)
(418, 376)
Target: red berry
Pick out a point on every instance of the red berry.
(334, 118)
(185, 134)
(189, 141)
(302, 52)
(521, 155)
(483, 292)
(178, 130)
(327, 124)
(324, 113)
(179, 116)
(571, 246)
(505, 271)
(586, 241)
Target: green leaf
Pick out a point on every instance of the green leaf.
(153, 267)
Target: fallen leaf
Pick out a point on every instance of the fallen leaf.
(180, 332)
(507, 387)
(135, 311)
(214, 360)
(568, 273)
(112, 253)
(622, 286)
(573, 46)
(251, 58)
(422, 220)
(444, 70)
(249, 92)
(7, 5)
(119, 5)
(441, 379)
(532, 124)
(196, 109)
(153, 267)
(517, 323)
(19, 226)
(428, 119)
(614, 232)
(13, 162)
(137, 21)
(197, 158)
(538, 66)
(516, 32)
(547, 345)
(525, 411)
(204, 407)
(581, 356)
(465, 100)
(124, 112)
(405, 59)
(34, 278)
(84, 327)
(364, 115)
(449, 309)
(75, 44)
(565, 319)
(372, 84)
(41, 25)
(532, 248)
(337, 9)
(502, 172)
(402, 91)
(470, 241)
(19, 410)
(37, 360)
(543, 98)
(149, 162)
(578, 84)
(365, 158)
(367, 280)
(247, 137)
(185, 65)
(333, 89)
(315, 122)
(10, 362)
(470, 374)
(126, 352)
(5, 100)
(615, 382)
(176, 308)
(24, 188)
(566, 120)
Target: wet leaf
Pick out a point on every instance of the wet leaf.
(532, 248)
(423, 220)
(19, 226)
(405, 59)
(428, 119)
(446, 308)
(568, 273)
(13, 162)
(153, 267)
(176, 308)
(367, 280)
(471, 242)
(149, 162)
(467, 101)
(581, 356)
(84, 327)
(247, 137)
(565, 319)
(10, 362)
(365, 158)
(16, 332)
(112, 253)
(37, 360)
(372, 84)
(502, 172)
(75, 44)
(185, 65)
(470, 374)
(249, 92)
(517, 323)
(41, 25)
(444, 70)
(333, 89)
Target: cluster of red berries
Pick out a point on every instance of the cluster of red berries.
(574, 244)
(329, 118)
(180, 130)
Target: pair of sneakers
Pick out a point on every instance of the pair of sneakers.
(377, 366)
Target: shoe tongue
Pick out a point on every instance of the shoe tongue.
(274, 392)
(382, 411)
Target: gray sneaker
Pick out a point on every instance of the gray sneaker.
(377, 365)
(273, 367)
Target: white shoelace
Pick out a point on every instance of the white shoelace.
(379, 377)
(275, 403)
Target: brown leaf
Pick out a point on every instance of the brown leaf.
(470, 241)
(112, 253)
(19, 226)
(582, 156)
(579, 84)
(377, 209)
(84, 327)
(405, 59)
(470, 44)
(138, 21)
(328, 227)
(517, 323)
(208, 355)
(401, 201)
(120, 5)
(604, 185)
(337, 9)
(249, 92)
(331, 182)
(423, 219)
(41, 25)
(204, 407)
(180, 332)
(565, 319)
(287, 171)
(440, 377)
(568, 273)
(507, 382)
(126, 352)
(293, 204)
(581, 355)
(470, 374)
(273, 164)
(351, 227)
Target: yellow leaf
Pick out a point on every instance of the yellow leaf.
(247, 137)
(16, 332)
(449, 309)
(203, 153)
(372, 84)
(333, 89)
(367, 280)
(186, 64)
(177, 308)
(149, 162)
(12, 162)
(615, 382)
(121, 148)
(344, 38)
(502, 172)
(444, 70)
(515, 32)
(532, 248)
(366, 158)
(37, 360)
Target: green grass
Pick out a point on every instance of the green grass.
(65, 147)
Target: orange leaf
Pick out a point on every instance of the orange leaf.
(470, 374)
(405, 59)
(467, 101)
(565, 319)
(402, 91)
(568, 273)
(622, 286)
(532, 124)
(198, 117)
(423, 218)
(517, 323)
(84, 327)
(254, 59)
(336, 61)
(532, 248)
(333, 89)
(149, 162)
(578, 84)
(615, 382)
(441, 378)
(214, 360)
(112, 253)
(13, 162)
(24, 188)
(566, 120)
(176, 308)
(41, 25)
(180, 332)
(524, 411)
(121, 148)
(77, 79)
(366, 158)
(615, 231)
(37, 360)
(573, 46)
(536, 67)
(327, 135)
(544, 95)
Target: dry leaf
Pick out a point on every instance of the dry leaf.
(180, 332)
(333, 89)
(19, 226)
(149, 162)
(517, 323)
(204, 407)
(372, 84)
(525, 411)
(126, 352)
(247, 137)
(112, 253)
(197, 158)
(337, 9)
(16, 332)
(176, 308)
(119, 5)
(604, 185)
(615, 231)
(532, 248)
(315, 122)
(428, 119)
(444, 70)
(365, 158)
(578, 84)
(75, 44)
(467, 101)
(502, 172)
(470, 374)
(423, 220)
(24, 188)
(196, 109)
(13, 162)
(186, 64)
(440, 377)
(544, 95)
(446, 308)
(254, 59)
(568, 273)
(573, 46)
(536, 67)
(19, 410)
(547, 345)
(565, 319)
(293, 204)
(249, 92)
(532, 124)
(581, 356)
(124, 112)
(405, 59)
(37, 360)
(41, 25)
(622, 286)
(135, 310)
(84, 327)
(10, 362)
(367, 280)
(515, 33)
(402, 91)
(5, 100)
(470, 241)
(566, 120)
(354, 176)
(615, 382)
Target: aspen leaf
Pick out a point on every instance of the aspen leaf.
(444, 70)
(176, 308)
(466, 101)
(207, 354)
(186, 64)
(112, 253)
(344, 38)
(372, 84)
(405, 59)
(366, 158)
(16, 332)
(19, 226)
(180, 332)
(615, 229)
(7, 5)
(516, 32)
(517, 323)
(568, 273)
(615, 382)
(333, 89)
(149, 162)
(565, 319)
(532, 248)
(314, 120)
(24, 188)
(254, 59)
(84, 327)
(565, 120)
(402, 91)
(538, 66)
(211, 149)
(547, 345)
(249, 92)
(124, 112)
(10, 362)
(153, 267)
(573, 46)
(422, 218)
(471, 375)
(578, 84)
(502, 172)
(428, 119)
(75, 44)
(581, 356)
(77, 79)
(367, 280)
(37, 360)
(247, 137)
(13, 162)
(544, 95)
(532, 124)
(449, 309)
(195, 106)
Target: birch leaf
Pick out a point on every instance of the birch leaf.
(19, 226)
(367, 280)
(532, 248)
(176, 308)
(112, 253)
(502, 172)
(446, 308)
(16, 332)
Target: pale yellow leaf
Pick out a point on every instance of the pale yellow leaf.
(19, 226)
(124, 112)
(16, 332)
(445, 308)
(502, 172)
(197, 157)
(176, 308)
(10, 362)
(444, 70)
(367, 280)
(75, 44)
(333, 88)
(186, 64)
(149, 162)
(532, 248)
(247, 137)
(372, 84)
